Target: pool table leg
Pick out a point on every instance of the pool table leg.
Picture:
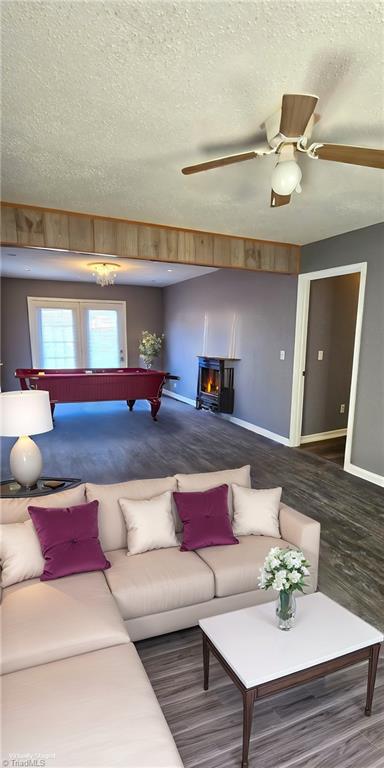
(155, 405)
(130, 404)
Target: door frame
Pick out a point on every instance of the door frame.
(301, 334)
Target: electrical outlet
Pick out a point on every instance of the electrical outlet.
(282, 354)
(320, 354)
(342, 408)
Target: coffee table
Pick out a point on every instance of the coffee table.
(262, 659)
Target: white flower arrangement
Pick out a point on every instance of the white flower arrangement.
(150, 346)
(284, 570)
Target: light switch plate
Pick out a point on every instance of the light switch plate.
(320, 354)
(282, 354)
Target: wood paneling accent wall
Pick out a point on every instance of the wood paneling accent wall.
(24, 225)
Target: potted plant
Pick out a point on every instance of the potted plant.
(284, 570)
(150, 347)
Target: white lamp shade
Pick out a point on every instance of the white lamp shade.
(286, 176)
(25, 413)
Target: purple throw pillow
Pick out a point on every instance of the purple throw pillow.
(205, 517)
(69, 539)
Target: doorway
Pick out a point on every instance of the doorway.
(70, 333)
(328, 329)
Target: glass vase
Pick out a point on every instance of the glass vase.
(285, 610)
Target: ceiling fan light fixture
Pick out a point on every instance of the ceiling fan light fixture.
(286, 177)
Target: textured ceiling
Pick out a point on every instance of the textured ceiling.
(104, 102)
(43, 264)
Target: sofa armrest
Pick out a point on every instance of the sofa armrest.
(304, 533)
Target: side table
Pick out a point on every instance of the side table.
(11, 489)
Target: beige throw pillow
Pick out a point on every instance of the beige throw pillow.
(256, 511)
(150, 523)
(20, 553)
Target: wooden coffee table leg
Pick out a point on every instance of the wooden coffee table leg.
(372, 667)
(206, 662)
(248, 702)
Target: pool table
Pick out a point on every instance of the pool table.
(77, 385)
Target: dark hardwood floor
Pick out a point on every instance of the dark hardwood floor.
(332, 450)
(317, 725)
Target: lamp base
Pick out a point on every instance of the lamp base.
(26, 462)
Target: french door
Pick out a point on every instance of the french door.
(67, 333)
(103, 327)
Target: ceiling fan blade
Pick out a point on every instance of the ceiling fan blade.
(341, 153)
(296, 111)
(219, 162)
(236, 145)
(278, 200)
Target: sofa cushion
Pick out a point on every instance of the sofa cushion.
(45, 621)
(237, 569)
(206, 480)
(94, 710)
(16, 510)
(158, 581)
(112, 528)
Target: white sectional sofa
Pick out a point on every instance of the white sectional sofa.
(74, 688)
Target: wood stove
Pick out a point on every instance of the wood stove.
(215, 391)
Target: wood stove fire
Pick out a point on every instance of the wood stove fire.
(215, 391)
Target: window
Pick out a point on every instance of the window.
(103, 338)
(58, 345)
(66, 333)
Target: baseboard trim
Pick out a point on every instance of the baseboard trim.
(176, 396)
(364, 474)
(234, 420)
(254, 428)
(316, 436)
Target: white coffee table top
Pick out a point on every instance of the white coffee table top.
(258, 652)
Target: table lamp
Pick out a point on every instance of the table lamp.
(21, 414)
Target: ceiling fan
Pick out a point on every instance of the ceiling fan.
(288, 132)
